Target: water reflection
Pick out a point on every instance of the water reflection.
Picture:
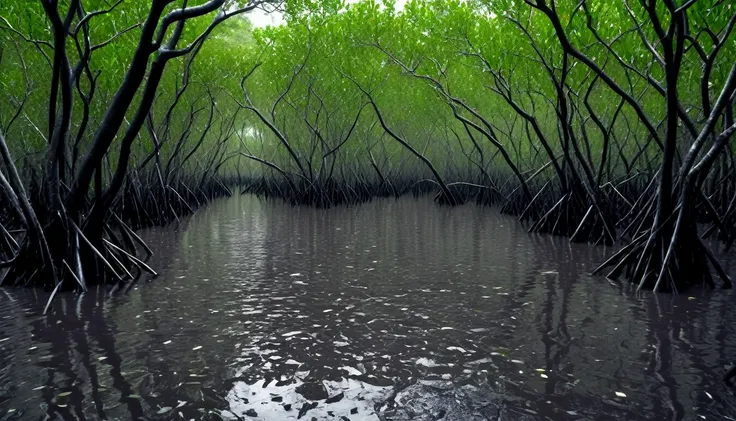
(392, 310)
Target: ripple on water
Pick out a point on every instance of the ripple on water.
(396, 308)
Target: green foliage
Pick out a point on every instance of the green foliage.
(376, 45)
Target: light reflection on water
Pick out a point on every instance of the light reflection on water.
(390, 310)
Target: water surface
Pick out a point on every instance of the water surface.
(393, 310)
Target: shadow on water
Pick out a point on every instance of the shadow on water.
(388, 311)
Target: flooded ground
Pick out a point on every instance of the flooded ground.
(393, 310)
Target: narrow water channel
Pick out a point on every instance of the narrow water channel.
(393, 310)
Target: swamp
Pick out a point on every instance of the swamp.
(367, 210)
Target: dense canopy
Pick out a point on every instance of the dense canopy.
(601, 121)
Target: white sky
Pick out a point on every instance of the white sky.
(261, 18)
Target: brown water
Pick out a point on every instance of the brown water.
(388, 311)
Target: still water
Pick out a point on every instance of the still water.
(393, 310)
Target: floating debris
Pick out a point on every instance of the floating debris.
(426, 362)
(164, 410)
(351, 371)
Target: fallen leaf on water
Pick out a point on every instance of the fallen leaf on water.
(101, 358)
(167, 342)
(164, 410)
(517, 361)
(544, 376)
(690, 298)
(64, 394)
(196, 348)
(39, 387)
(540, 370)
(620, 394)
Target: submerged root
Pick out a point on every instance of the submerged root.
(98, 249)
(572, 215)
(666, 258)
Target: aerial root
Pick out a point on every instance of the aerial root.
(664, 259)
(575, 217)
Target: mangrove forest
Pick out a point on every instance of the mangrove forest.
(367, 209)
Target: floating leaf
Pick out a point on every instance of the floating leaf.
(197, 348)
(544, 376)
(164, 410)
(64, 394)
(620, 394)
